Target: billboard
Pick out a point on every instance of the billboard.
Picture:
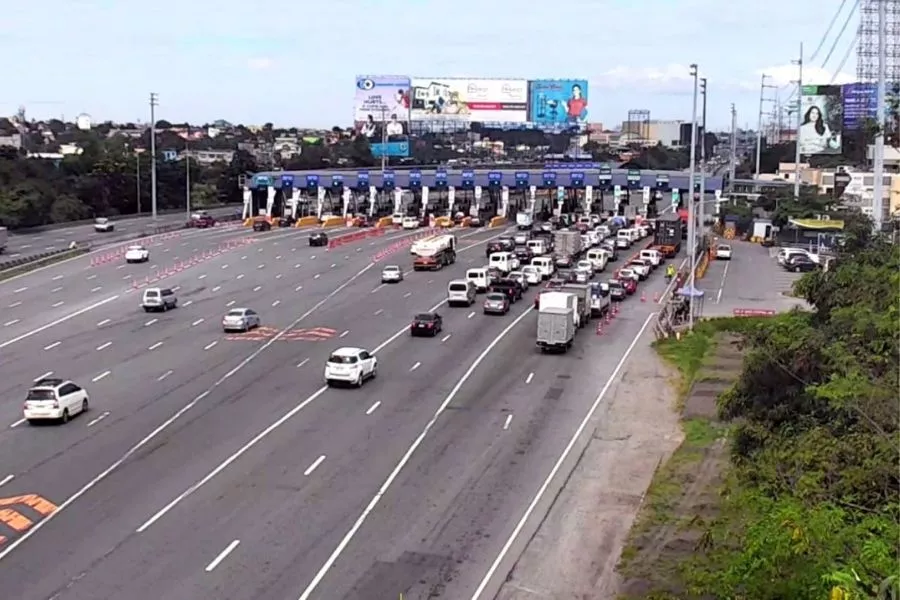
(860, 103)
(472, 100)
(821, 119)
(381, 113)
(558, 101)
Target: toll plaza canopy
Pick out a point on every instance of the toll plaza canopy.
(570, 175)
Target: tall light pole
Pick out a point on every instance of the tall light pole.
(733, 154)
(691, 224)
(187, 174)
(700, 207)
(878, 158)
(154, 100)
(137, 162)
(797, 156)
(762, 92)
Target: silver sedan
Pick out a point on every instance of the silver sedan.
(240, 319)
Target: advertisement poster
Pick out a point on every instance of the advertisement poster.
(821, 119)
(381, 113)
(472, 100)
(860, 104)
(558, 101)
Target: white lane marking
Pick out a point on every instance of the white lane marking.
(57, 277)
(230, 303)
(11, 323)
(333, 265)
(261, 267)
(562, 458)
(151, 322)
(15, 304)
(102, 375)
(98, 419)
(506, 423)
(104, 346)
(57, 322)
(446, 337)
(58, 304)
(407, 294)
(244, 257)
(257, 288)
(379, 311)
(344, 334)
(374, 407)
(470, 315)
(240, 276)
(120, 267)
(90, 277)
(47, 374)
(197, 322)
(52, 346)
(260, 250)
(176, 288)
(188, 303)
(276, 303)
(56, 289)
(415, 366)
(224, 266)
(17, 423)
(302, 362)
(96, 289)
(20, 290)
(211, 345)
(222, 555)
(307, 593)
(7, 479)
(279, 276)
(279, 256)
(313, 256)
(202, 276)
(529, 378)
(722, 285)
(316, 276)
(314, 466)
(127, 276)
(155, 346)
(378, 288)
(103, 322)
(164, 375)
(298, 288)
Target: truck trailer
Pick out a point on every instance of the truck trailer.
(668, 234)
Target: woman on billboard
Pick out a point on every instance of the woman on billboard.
(815, 135)
(576, 105)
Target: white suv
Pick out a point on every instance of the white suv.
(350, 365)
(54, 399)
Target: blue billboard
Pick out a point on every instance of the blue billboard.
(381, 113)
(860, 102)
(558, 101)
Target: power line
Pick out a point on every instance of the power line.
(827, 31)
(844, 60)
(841, 34)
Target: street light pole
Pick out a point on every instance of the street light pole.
(797, 156)
(733, 167)
(153, 103)
(762, 92)
(878, 162)
(187, 174)
(700, 206)
(691, 215)
(137, 162)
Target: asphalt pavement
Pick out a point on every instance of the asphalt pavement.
(215, 465)
(46, 240)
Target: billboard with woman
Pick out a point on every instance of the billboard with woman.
(558, 101)
(821, 120)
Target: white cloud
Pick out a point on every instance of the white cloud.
(669, 78)
(260, 64)
(786, 74)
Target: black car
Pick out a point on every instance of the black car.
(500, 245)
(319, 238)
(285, 222)
(509, 287)
(524, 255)
(800, 263)
(617, 291)
(567, 275)
(261, 224)
(427, 324)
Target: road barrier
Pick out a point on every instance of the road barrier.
(349, 238)
(385, 222)
(404, 243)
(307, 222)
(333, 222)
(497, 222)
(753, 312)
(116, 254)
(195, 260)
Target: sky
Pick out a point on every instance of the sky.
(294, 63)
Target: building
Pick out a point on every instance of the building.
(208, 157)
(859, 193)
(14, 140)
(652, 132)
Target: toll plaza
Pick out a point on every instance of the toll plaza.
(481, 192)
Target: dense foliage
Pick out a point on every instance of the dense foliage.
(813, 502)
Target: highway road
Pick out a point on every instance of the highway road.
(214, 466)
(27, 243)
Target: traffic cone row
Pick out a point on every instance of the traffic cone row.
(117, 253)
(182, 265)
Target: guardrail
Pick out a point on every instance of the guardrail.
(13, 267)
(143, 215)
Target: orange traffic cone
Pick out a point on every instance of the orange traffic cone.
(656, 296)
(599, 327)
(643, 297)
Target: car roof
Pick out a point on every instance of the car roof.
(425, 316)
(48, 383)
(392, 267)
(347, 351)
(244, 309)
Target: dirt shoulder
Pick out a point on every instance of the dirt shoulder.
(574, 553)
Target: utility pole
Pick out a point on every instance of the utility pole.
(733, 154)
(878, 158)
(384, 139)
(700, 207)
(691, 224)
(187, 174)
(797, 156)
(137, 162)
(154, 101)
(759, 125)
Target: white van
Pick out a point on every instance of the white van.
(624, 238)
(545, 265)
(461, 292)
(505, 262)
(537, 247)
(523, 220)
(653, 256)
(479, 278)
(598, 258)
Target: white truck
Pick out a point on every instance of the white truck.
(600, 299)
(524, 221)
(434, 253)
(4, 238)
(561, 299)
(567, 244)
(581, 291)
(557, 321)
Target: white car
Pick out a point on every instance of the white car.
(629, 274)
(391, 274)
(240, 319)
(350, 365)
(519, 276)
(723, 252)
(54, 399)
(641, 267)
(521, 239)
(532, 274)
(410, 223)
(586, 266)
(103, 225)
(136, 254)
(623, 243)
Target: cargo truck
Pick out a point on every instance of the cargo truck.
(557, 321)
(668, 235)
(560, 299)
(567, 244)
(582, 291)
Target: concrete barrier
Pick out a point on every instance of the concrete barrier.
(307, 221)
(443, 222)
(385, 222)
(248, 222)
(466, 222)
(333, 222)
(497, 222)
